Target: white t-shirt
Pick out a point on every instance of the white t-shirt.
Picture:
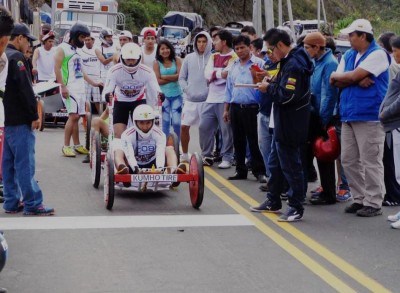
(91, 63)
(375, 63)
(3, 79)
(45, 63)
(107, 52)
(141, 151)
(3, 71)
(130, 87)
(148, 59)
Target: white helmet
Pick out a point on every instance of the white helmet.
(131, 51)
(143, 113)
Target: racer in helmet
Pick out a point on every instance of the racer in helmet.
(144, 145)
(71, 76)
(105, 53)
(105, 38)
(132, 84)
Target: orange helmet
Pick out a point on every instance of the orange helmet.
(327, 150)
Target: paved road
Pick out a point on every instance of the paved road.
(158, 243)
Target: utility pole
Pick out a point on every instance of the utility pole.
(319, 14)
(269, 14)
(257, 20)
(280, 21)
(289, 5)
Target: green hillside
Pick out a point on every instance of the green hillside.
(382, 13)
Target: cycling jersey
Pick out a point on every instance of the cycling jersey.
(141, 151)
(71, 70)
(131, 87)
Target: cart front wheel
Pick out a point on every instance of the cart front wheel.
(109, 190)
(196, 186)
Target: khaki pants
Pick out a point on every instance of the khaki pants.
(362, 154)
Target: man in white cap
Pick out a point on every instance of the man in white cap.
(124, 38)
(363, 76)
(43, 58)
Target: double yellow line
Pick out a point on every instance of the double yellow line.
(302, 257)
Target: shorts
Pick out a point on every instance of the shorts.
(92, 93)
(123, 110)
(75, 104)
(191, 113)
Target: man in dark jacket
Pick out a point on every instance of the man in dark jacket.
(21, 119)
(290, 91)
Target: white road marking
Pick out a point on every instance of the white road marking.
(108, 222)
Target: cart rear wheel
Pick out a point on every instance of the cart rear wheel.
(95, 157)
(196, 187)
(109, 190)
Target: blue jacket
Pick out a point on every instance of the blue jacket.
(290, 93)
(362, 104)
(324, 96)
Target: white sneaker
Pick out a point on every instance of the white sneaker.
(395, 225)
(184, 158)
(394, 218)
(225, 165)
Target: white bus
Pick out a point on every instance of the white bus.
(100, 14)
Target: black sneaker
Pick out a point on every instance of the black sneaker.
(353, 208)
(207, 161)
(369, 212)
(291, 215)
(40, 211)
(267, 207)
(389, 203)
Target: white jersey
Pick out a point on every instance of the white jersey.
(91, 64)
(3, 79)
(45, 63)
(131, 87)
(107, 52)
(71, 70)
(148, 59)
(141, 151)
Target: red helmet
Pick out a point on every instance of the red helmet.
(327, 150)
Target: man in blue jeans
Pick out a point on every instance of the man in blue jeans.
(21, 119)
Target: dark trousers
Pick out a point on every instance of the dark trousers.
(391, 184)
(244, 129)
(285, 163)
(326, 170)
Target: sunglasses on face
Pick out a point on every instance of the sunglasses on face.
(270, 50)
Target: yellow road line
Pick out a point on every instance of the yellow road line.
(303, 258)
(324, 252)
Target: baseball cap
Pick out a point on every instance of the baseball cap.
(127, 34)
(49, 35)
(149, 32)
(360, 25)
(22, 29)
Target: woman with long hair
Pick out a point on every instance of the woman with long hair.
(166, 67)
